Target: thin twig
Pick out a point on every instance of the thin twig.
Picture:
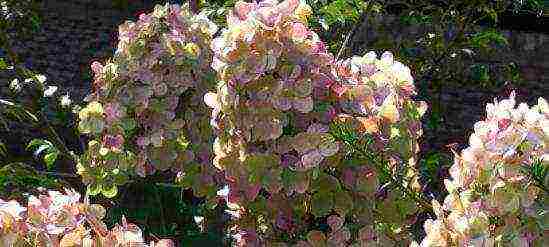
(351, 34)
(168, 185)
(4, 42)
(59, 174)
(193, 6)
(159, 199)
(418, 198)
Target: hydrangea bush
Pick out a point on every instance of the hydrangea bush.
(61, 219)
(314, 151)
(279, 93)
(145, 113)
(492, 201)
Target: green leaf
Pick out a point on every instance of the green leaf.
(16, 111)
(341, 12)
(183, 142)
(483, 39)
(480, 73)
(128, 124)
(3, 64)
(3, 150)
(316, 173)
(39, 146)
(435, 119)
(343, 202)
(326, 183)
(35, 22)
(322, 203)
(50, 159)
(258, 165)
(36, 143)
(94, 189)
(538, 171)
(110, 191)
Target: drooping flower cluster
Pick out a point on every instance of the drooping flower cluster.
(272, 111)
(376, 95)
(60, 219)
(272, 131)
(493, 200)
(146, 111)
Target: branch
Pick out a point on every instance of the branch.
(418, 198)
(59, 143)
(363, 17)
(59, 174)
(42, 120)
(454, 42)
(193, 6)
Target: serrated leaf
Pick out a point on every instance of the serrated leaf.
(343, 202)
(322, 203)
(3, 150)
(110, 191)
(3, 64)
(50, 159)
(37, 143)
(94, 189)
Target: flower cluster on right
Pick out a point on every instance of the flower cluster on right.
(492, 201)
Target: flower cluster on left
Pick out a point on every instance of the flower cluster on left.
(145, 113)
(61, 219)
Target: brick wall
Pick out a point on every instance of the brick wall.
(465, 104)
(76, 32)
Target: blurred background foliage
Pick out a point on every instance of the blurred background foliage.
(457, 35)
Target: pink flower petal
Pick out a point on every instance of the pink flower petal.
(311, 159)
(299, 31)
(303, 105)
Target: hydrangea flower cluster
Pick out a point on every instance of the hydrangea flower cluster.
(272, 133)
(376, 96)
(146, 111)
(492, 201)
(60, 219)
(272, 112)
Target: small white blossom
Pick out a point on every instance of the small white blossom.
(199, 220)
(50, 90)
(15, 86)
(41, 78)
(65, 100)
